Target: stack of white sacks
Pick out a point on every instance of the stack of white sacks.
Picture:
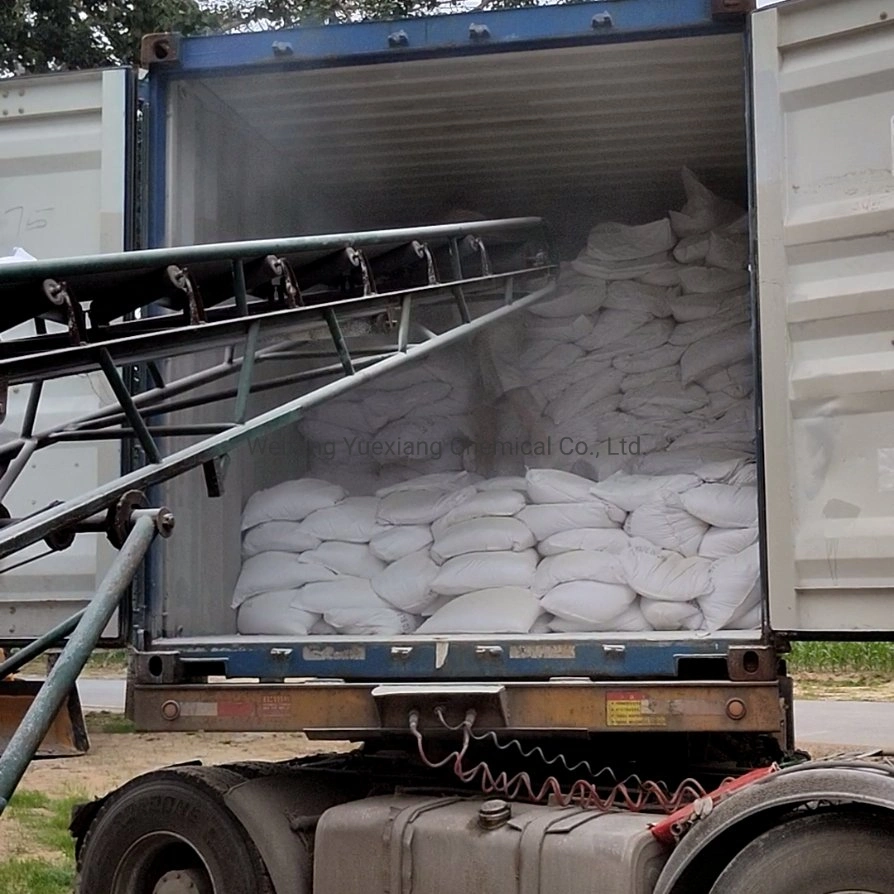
(648, 340)
(550, 552)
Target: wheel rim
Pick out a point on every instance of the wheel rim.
(163, 863)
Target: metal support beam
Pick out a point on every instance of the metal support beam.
(125, 398)
(37, 647)
(30, 733)
(41, 524)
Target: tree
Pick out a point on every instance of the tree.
(55, 35)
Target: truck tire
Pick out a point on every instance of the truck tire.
(825, 853)
(169, 832)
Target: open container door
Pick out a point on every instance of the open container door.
(65, 149)
(824, 100)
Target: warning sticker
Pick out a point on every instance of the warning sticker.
(631, 709)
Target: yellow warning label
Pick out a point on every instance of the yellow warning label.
(631, 709)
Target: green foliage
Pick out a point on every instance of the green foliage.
(46, 822)
(811, 657)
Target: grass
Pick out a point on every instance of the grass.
(103, 662)
(44, 821)
(107, 722)
(851, 658)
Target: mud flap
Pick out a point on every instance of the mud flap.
(67, 736)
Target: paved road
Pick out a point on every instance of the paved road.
(857, 724)
(846, 723)
(101, 695)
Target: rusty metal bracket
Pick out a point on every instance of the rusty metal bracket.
(57, 293)
(423, 251)
(478, 245)
(358, 259)
(748, 664)
(193, 308)
(731, 9)
(160, 48)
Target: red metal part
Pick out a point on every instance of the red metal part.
(669, 829)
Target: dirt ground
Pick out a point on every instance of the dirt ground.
(116, 757)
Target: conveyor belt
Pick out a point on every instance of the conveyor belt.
(148, 306)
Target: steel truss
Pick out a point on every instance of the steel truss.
(262, 302)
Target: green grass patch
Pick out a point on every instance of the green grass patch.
(106, 722)
(852, 658)
(45, 821)
(19, 876)
(108, 659)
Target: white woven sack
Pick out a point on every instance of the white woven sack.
(352, 521)
(692, 249)
(695, 332)
(728, 251)
(587, 601)
(552, 486)
(709, 463)
(735, 579)
(706, 357)
(342, 592)
(506, 609)
(321, 628)
(746, 475)
(482, 535)
(699, 306)
(712, 279)
(406, 583)
(270, 572)
(639, 298)
(383, 408)
(547, 519)
(354, 559)
(271, 614)
(667, 526)
(436, 480)
(398, 541)
(667, 576)
(290, 501)
(723, 505)
(582, 298)
(421, 507)
(736, 380)
(629, 492)
(750, 614)
(631, 620)
(720, 542)
(647, 337)
(577, 565)
(611, 327)
(703, 211)
(484, 504)
(657, 360)
(611, 241)
(672, 615)
(664, 398)
(612, 540)
(590, 398)
(419, 439)
(646, 269)
(277, 536)
(368, 621)
(484, 571)
(503, 482)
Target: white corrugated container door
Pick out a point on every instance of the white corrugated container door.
(824, 100)
(63, 171)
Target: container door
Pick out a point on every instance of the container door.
(64, 172)
(824, 187)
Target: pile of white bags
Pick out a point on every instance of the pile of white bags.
(634, 507)
(551, 552)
